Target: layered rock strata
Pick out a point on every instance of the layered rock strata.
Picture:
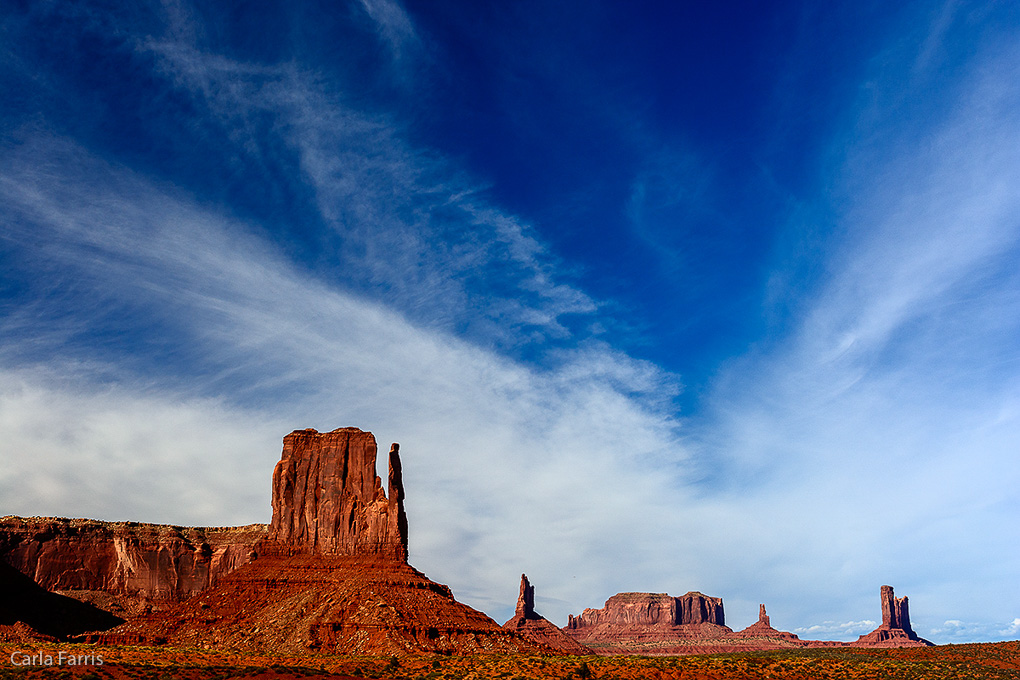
(652, 624)
(895, 630)
(125, 567)
(645, 609)
(530, 624)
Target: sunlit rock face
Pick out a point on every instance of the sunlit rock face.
(644, 609)
(328, 499)
(125, 566)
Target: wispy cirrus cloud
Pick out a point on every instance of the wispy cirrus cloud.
(405, 225)
(394, 26)
(493, 447)
(891, 406)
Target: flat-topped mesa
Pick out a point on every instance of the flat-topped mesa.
(644, 609)
(895, 630)
(328, 499)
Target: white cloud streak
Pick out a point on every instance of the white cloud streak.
(508, 469)
(403, 219)
(885, 425)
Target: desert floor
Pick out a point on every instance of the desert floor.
(992, 660)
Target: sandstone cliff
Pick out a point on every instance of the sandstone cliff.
(895, 630)
(327, 498)
(645, 609)
(530, 624)
(653, 624)
(124, 566)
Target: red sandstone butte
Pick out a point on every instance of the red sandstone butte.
(327, 498)
(653, 624)
(895, 630)
(530, 624)
(333, 574)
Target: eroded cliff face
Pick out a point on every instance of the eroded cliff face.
(646, 609)
(139, 563)
(652, 624)
(327, 498)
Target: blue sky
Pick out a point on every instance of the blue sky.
(655, 296)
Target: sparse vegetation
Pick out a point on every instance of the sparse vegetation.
(998, 661)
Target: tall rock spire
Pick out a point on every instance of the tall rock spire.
(526, 600)
(895, 629)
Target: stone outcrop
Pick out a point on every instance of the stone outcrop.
(526, 600)
(645, 609)
(299, 602)
(531, 625)
(895, 630)
(327, 498)
(333, 575)
(764, 635)
(652, 624)
(124, 567)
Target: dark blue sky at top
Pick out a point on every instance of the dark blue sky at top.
(719, 110)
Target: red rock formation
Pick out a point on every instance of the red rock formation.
(124, 567)
(333, 575)
(529, 624)
(29, 612)
(762, 635)
(895, 630)
(643, 609)
(296, 603)
(526, 600)
(327, 498)
(652, 624)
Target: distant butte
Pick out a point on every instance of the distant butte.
(652, 624)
